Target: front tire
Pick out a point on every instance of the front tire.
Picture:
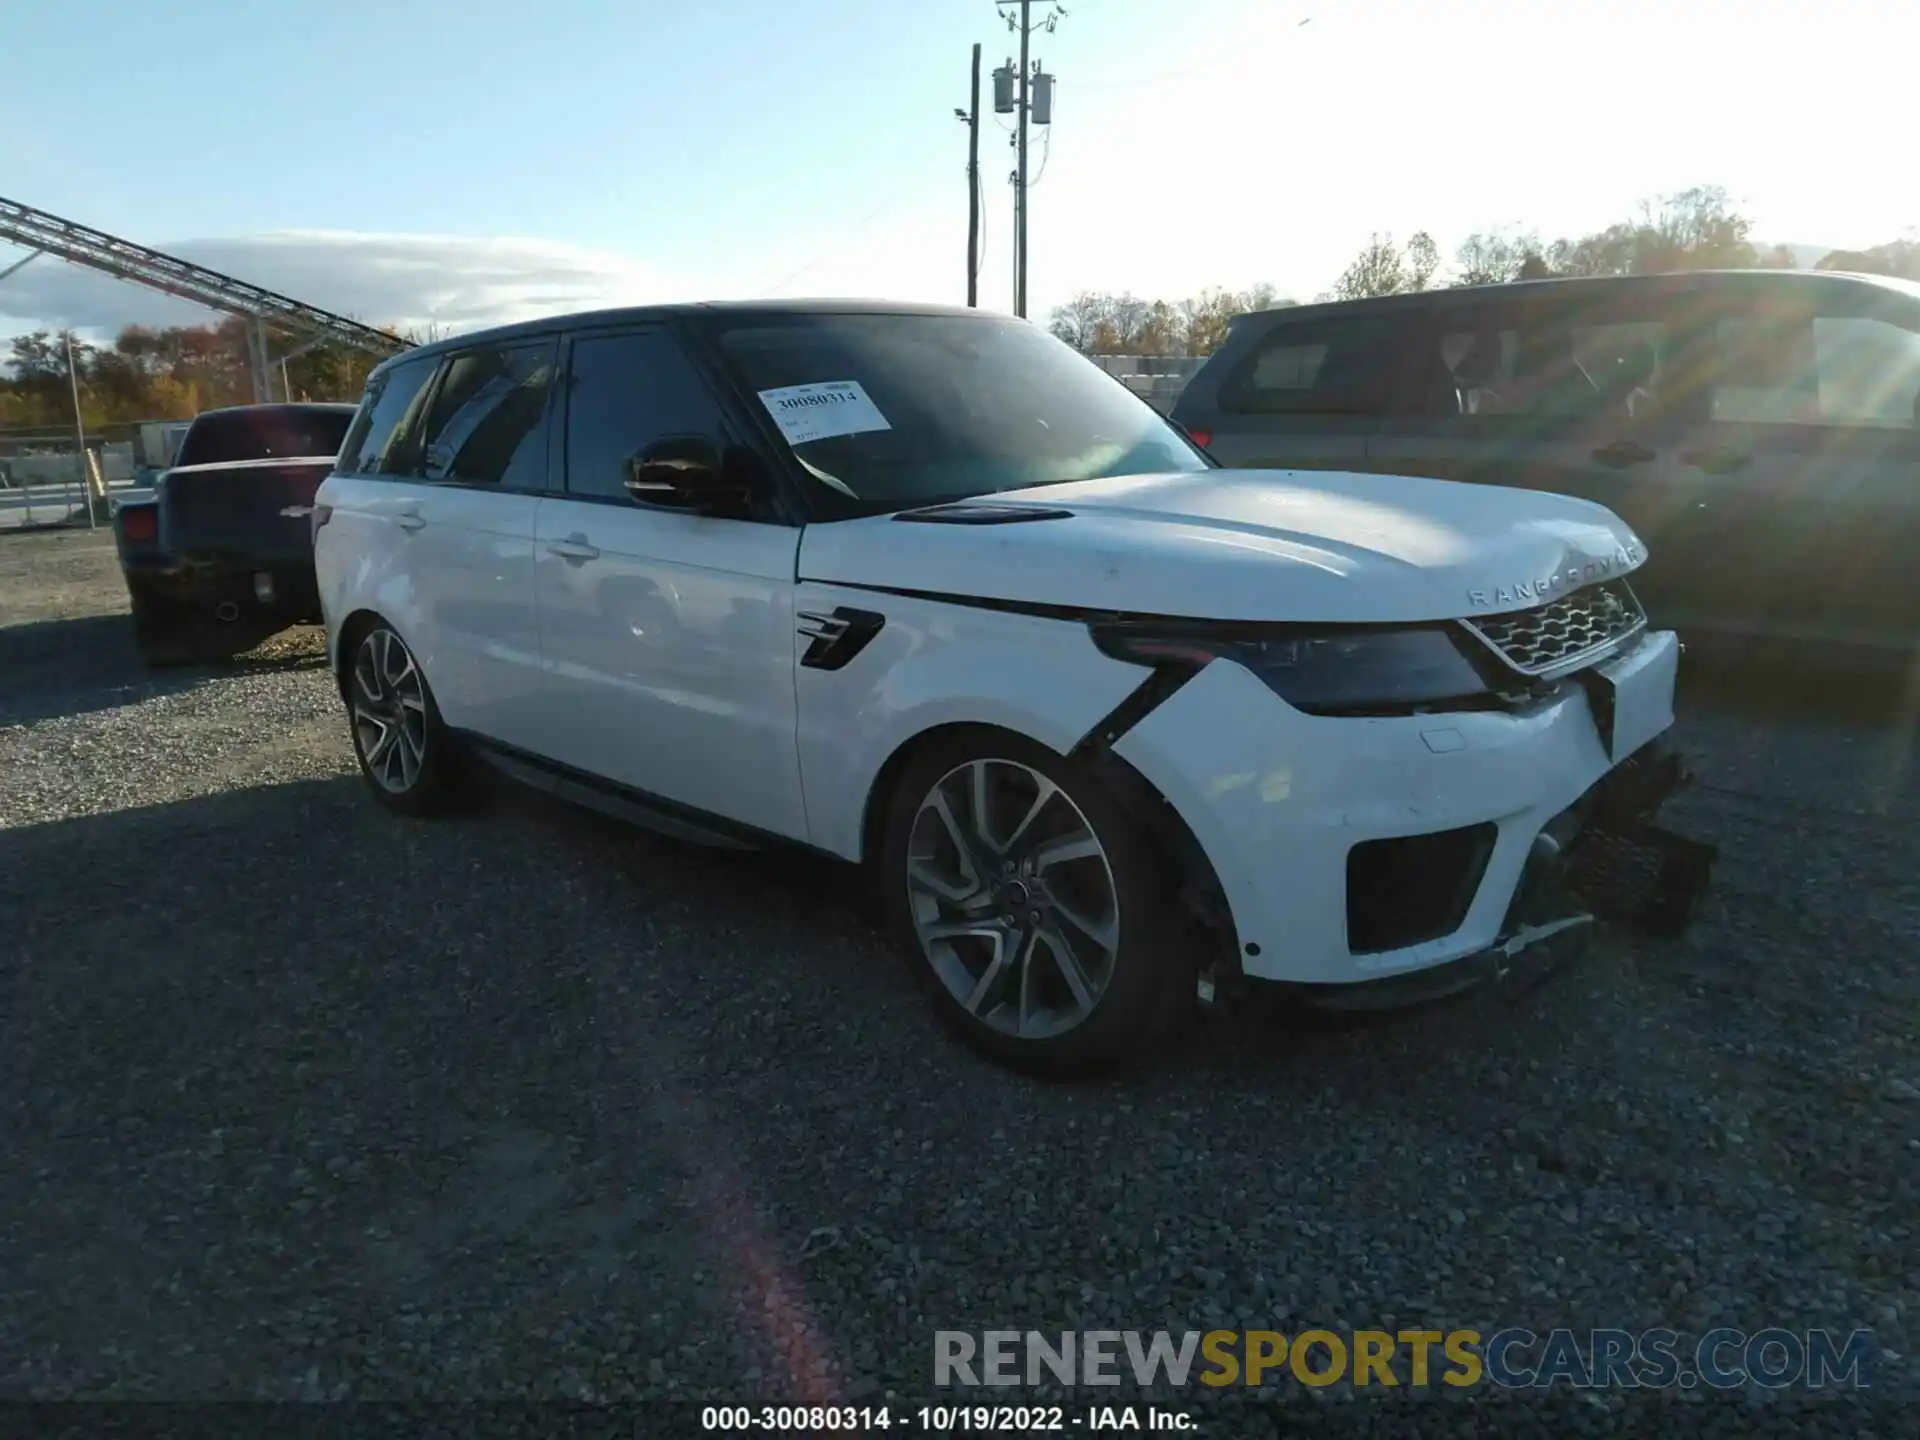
(1028, 904)
(403, 747)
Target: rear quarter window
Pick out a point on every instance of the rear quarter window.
(378, 440)
(1331, 367)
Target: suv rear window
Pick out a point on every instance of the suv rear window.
(268, 433)
(1317, 367)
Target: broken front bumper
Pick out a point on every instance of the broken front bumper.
(1369, 850)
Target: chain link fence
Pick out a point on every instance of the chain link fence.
(47, 480)
(1156, 379)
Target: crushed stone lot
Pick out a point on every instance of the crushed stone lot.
(305, 1101)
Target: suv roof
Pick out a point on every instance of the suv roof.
(1578, 286)
(641, 314)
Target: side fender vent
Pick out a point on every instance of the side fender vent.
(837, 637)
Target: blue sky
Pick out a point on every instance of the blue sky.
(461, 162)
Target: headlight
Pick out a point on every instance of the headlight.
(1328, 668)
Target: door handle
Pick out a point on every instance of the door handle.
(1717, 461)
(409, 520)
(1622, 453)
(575, 547)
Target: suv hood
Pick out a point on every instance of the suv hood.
(1272, 545)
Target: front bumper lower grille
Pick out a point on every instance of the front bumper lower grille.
(1554, 638)
(1408, 890)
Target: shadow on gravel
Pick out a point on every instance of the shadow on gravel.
(305, 1096)
(54, 668)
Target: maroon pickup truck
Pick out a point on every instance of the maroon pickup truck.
(222, 556)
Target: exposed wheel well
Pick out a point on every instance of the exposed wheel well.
(1191, 880)
(352, 629)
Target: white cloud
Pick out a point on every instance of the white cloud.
(455, 282)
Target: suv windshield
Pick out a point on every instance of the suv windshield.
(893, 411)
(270, 432)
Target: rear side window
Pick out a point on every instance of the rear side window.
(1325, 367)
(624, 393)
(1570, 370)
(485, 425)
(376, 444)
(268, 433)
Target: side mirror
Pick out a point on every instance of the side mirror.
(686, 471)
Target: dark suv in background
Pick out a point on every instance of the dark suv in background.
(1759, 429)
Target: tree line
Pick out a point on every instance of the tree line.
(1697, 229)
(173, 373)
(169, 373)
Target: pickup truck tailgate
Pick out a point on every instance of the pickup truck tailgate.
(253, 511)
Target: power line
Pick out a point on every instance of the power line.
(860, 227)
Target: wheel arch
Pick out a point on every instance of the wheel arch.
(349, 634)
(1191, 879)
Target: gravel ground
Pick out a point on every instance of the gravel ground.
(304, 1101)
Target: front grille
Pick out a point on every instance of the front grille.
(1558, 635)
(1405, 891)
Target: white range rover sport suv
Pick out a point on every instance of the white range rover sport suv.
(921, 588)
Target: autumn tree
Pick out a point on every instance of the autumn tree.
(1899, 259)
(1385, 268)
(1125, 324)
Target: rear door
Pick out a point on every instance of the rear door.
(1294, 393)
(469, 516)
(1561, 391)
(1809, 464)
(362, 556)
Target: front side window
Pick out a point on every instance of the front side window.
(1806, 369)
(887, 412)
(376, 444)
(484, 426)
(624, 392)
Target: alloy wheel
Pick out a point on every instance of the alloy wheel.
(1012, 898)
(389, 706)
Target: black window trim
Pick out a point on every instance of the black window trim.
(417, 454)
(726, 398)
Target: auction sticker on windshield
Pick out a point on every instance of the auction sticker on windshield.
(823, 410)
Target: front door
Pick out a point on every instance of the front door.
(1561, 393)
(667, 636)
(1808, 469)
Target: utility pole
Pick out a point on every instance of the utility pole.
(972, 116)
(1020, 185)
(1028, 83)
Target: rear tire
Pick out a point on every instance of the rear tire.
(404, 748)
(1028, 904)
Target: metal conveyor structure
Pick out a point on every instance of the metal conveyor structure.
(45, 234)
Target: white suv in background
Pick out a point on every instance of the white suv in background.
(923, 589)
